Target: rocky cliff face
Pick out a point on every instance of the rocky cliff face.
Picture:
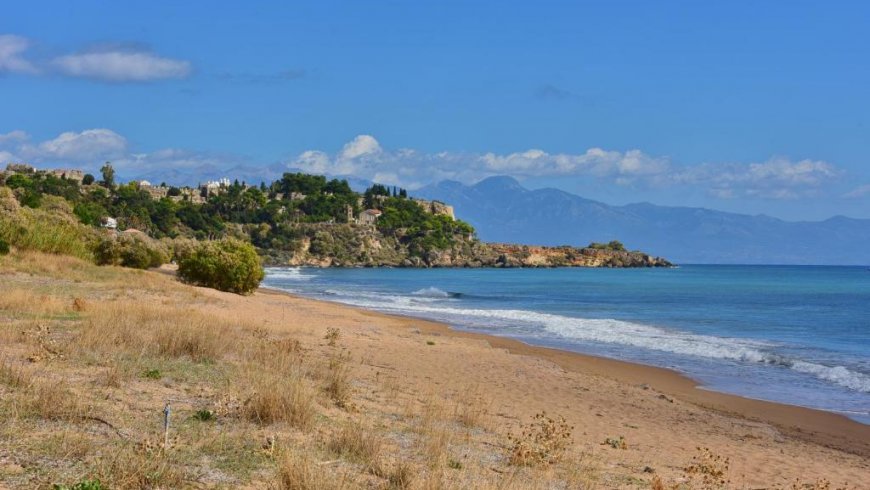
(362, 246)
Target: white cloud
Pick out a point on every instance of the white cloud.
(365, 157)
(777, 178)
(169, 159)
(5, 158)
(110, 64)
(858, 192)
(13, 137)
(88, 150)
(361, 146)
(121, 66)
(84, 146)
(11, 49)
(595, 161)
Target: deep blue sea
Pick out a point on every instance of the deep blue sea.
(799, 335)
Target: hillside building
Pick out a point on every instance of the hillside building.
(369, 217)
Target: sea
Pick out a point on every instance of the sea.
(793, 334)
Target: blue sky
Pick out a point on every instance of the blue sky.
(756, 107)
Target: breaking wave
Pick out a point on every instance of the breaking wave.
(610, 331)
(433, 292)
(291, 274)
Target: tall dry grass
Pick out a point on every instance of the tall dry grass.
(133, 467)
(288, 398)
(155, 330)
(297, 470)
(38, 396)
(338, 379)
(359, 444)
(29, 302)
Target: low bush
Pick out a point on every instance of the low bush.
(227, 265)
(130, 251)
(4, 247)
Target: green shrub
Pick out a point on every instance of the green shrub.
(204, 415)
(227, 265)
(614, 245)
(181, 248)
(49, 230)
(82, 485)
(4, 247)
(130, 251)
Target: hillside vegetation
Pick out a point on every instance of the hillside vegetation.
(299, 219)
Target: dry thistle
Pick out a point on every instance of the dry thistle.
(332, 335)
(542, 441)
(708, 471)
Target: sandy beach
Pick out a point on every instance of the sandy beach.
(442, 405)
(662, 414)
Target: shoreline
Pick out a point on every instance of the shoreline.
(828, 429)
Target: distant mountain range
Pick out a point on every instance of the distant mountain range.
(502, 210)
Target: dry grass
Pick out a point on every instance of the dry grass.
(360, 445)
(437, 444)
(38, 396)
(338, 379)
(133, 467)
(155, 330)
(26, 301)
(299, 471)
(288, 398)
(471, 411)
(401, 476)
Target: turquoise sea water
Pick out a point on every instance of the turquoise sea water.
(798, 335)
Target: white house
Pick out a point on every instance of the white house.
(369, 216)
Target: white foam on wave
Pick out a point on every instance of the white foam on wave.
(837, 374)
(431, 292)
(287, 273)
(620, 332)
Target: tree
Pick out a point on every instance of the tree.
(616, 245)
(88, 179)
(108, 175)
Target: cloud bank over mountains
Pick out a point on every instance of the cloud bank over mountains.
(776, 178)
(365, 158)
(114, 63)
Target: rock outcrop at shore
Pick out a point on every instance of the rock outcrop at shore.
(354, 246)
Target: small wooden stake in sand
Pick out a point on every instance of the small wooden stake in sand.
(166, 411)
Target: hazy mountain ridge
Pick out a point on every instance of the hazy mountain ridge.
(502, 210)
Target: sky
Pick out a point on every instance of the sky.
(751, 107)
